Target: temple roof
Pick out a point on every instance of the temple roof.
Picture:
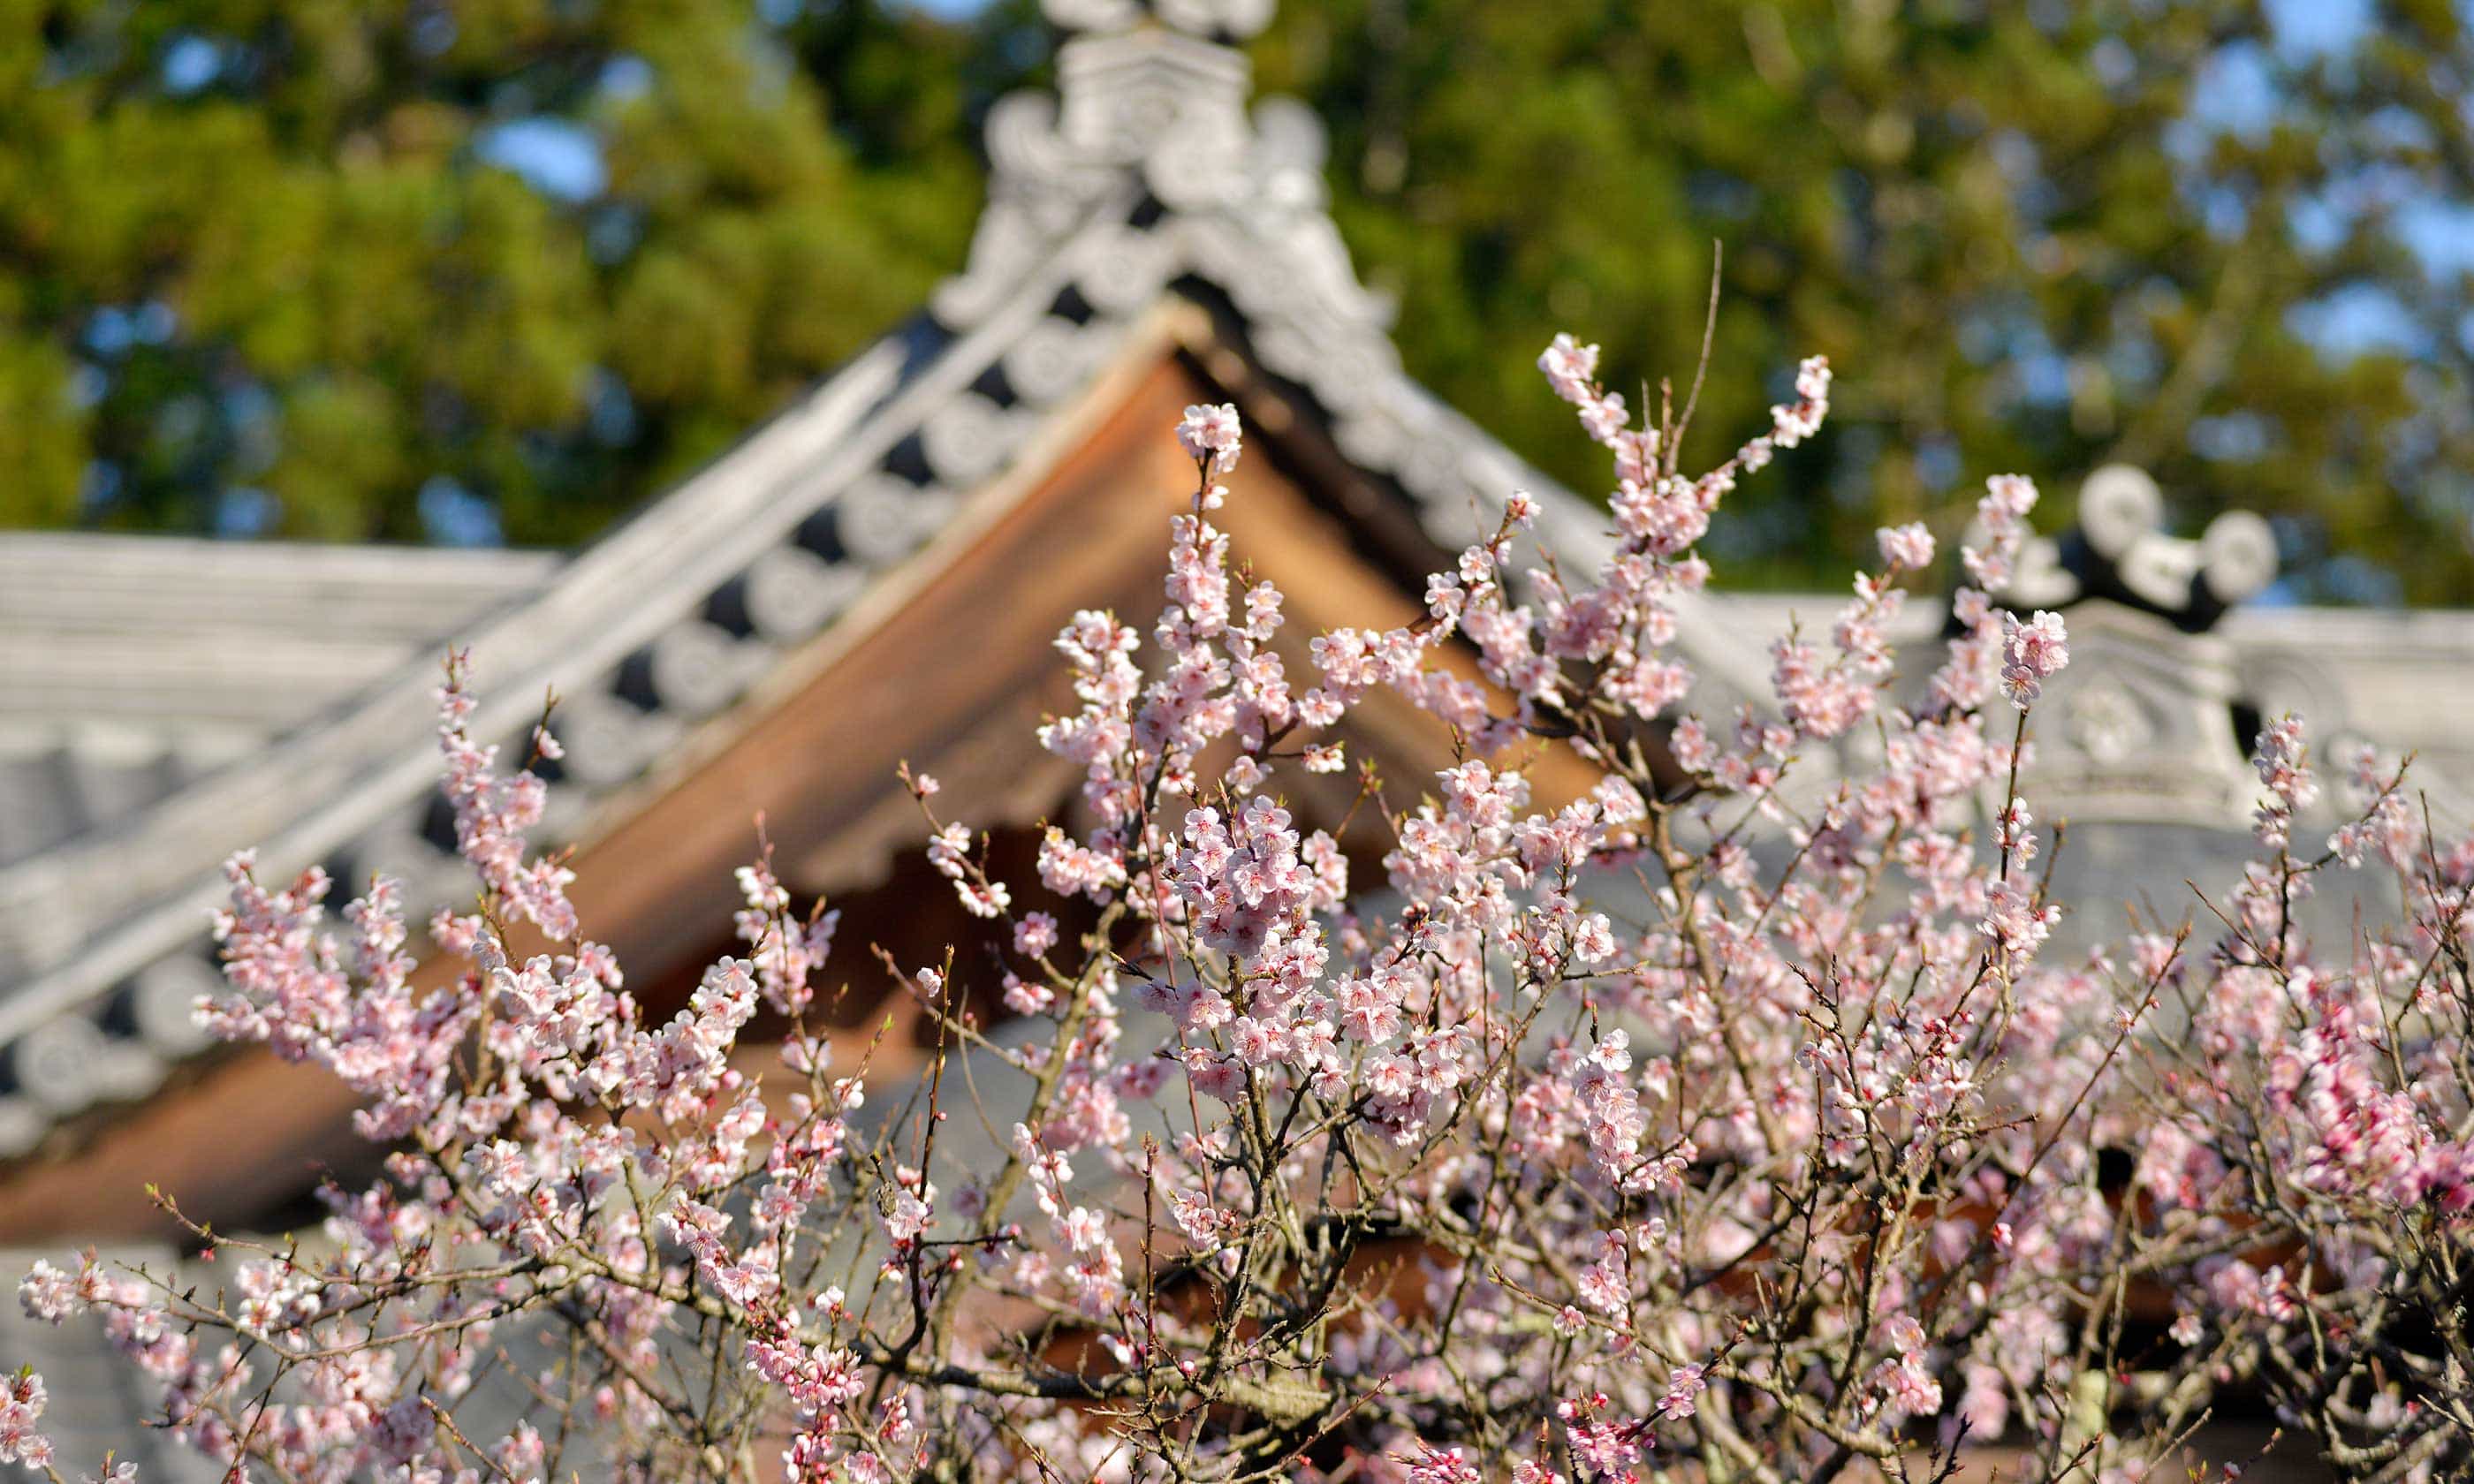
(131, 666)
(164, 702)
(1146, 183)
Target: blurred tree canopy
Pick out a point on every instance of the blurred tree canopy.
(445, 268)
(458, 268)
(2232, 243)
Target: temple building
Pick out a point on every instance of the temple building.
(874, 577)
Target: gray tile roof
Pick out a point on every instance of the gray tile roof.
(131, 666)
(1151, 182)
(199, 697)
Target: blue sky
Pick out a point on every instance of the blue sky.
(558, 157)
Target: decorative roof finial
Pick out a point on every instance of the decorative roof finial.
(1215, 21)
(1151, 103)
(2120, 550)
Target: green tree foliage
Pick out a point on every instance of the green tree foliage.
(293, 263)
(2031, 236)
(344, 269)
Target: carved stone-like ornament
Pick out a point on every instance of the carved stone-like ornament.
(161, 1003)
(789, 594)
(2140, 728)
(884, 517)
(968, 439)
(606, 740)
(1231, 19)
(1123, 268)
(1049, 361)
(2120, 550)
(693, 669)
(2106, 723)
(54, 1063)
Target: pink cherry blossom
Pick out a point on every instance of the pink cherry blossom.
(1210, 432)
(2032, 651)
(22, 1401)
(1737, 1102)
(1908, 546)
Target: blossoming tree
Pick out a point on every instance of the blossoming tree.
(1716, 1129)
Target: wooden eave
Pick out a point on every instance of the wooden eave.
(946, 664)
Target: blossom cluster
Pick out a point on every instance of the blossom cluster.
(1671, 1087)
